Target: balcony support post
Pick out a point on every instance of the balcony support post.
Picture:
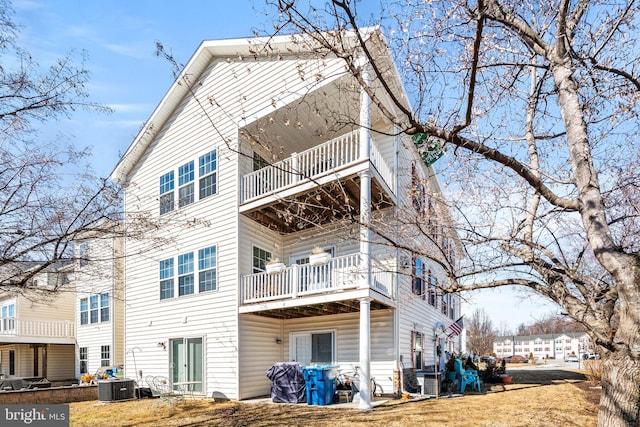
(365, 248)
(365, 353)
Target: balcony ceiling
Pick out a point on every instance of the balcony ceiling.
(331, 202)
(319, 116)
(322, 309)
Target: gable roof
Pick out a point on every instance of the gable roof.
(284, 45)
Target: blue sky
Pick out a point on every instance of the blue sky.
(119, 37)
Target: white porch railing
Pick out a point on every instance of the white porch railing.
(12, 326)
(303, 280)
(322, 159)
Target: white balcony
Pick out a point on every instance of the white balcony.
(17, 330)
(340, 279)
(337, 159)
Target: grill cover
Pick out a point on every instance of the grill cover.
(287, 383)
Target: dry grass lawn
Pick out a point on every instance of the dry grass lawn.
(529, 401)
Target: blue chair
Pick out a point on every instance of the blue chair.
(466, 376)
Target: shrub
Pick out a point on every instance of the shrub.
(593, 371)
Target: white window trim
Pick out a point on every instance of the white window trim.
(196, 180)
(334, 341)
(196, 275)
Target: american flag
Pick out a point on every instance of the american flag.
(455, 328)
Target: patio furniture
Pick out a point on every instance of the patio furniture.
(466, 376)
(162, 387)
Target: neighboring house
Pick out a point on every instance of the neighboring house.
(99, 314)
(544, 346)
(242, 162)
(37, 328)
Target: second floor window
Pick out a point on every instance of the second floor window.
(207, 266)
(185, 274)
(8, 317)
(94, 309)
(187, 270)
(166, 278)
(167, 198)
(207, 168)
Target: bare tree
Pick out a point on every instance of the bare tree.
(480, 332)
(538, 104)
(43, 202)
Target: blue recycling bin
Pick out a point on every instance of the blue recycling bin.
(321, 384)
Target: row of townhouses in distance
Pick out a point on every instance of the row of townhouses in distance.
(544, 346)
(261, 151)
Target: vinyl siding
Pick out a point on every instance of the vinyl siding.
(56, 307)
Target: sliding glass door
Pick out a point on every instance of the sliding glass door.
(187, 364)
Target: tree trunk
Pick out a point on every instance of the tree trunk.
(620, 399)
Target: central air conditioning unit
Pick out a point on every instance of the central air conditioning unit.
(110, 390)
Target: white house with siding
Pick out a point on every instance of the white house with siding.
(258, 154)
(37, 328)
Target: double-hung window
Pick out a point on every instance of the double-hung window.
(84, 311)
(94, 308)
(167, 198)
(105, 355)
(185, 274)
(166, 278)
(260, 258)
(207, 168)
(84, 356)
(185, 184)
(104, 307)
(8, 317)
(207, 266)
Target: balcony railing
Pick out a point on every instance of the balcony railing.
(325, 158)
(298, 281)
(12, 326)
